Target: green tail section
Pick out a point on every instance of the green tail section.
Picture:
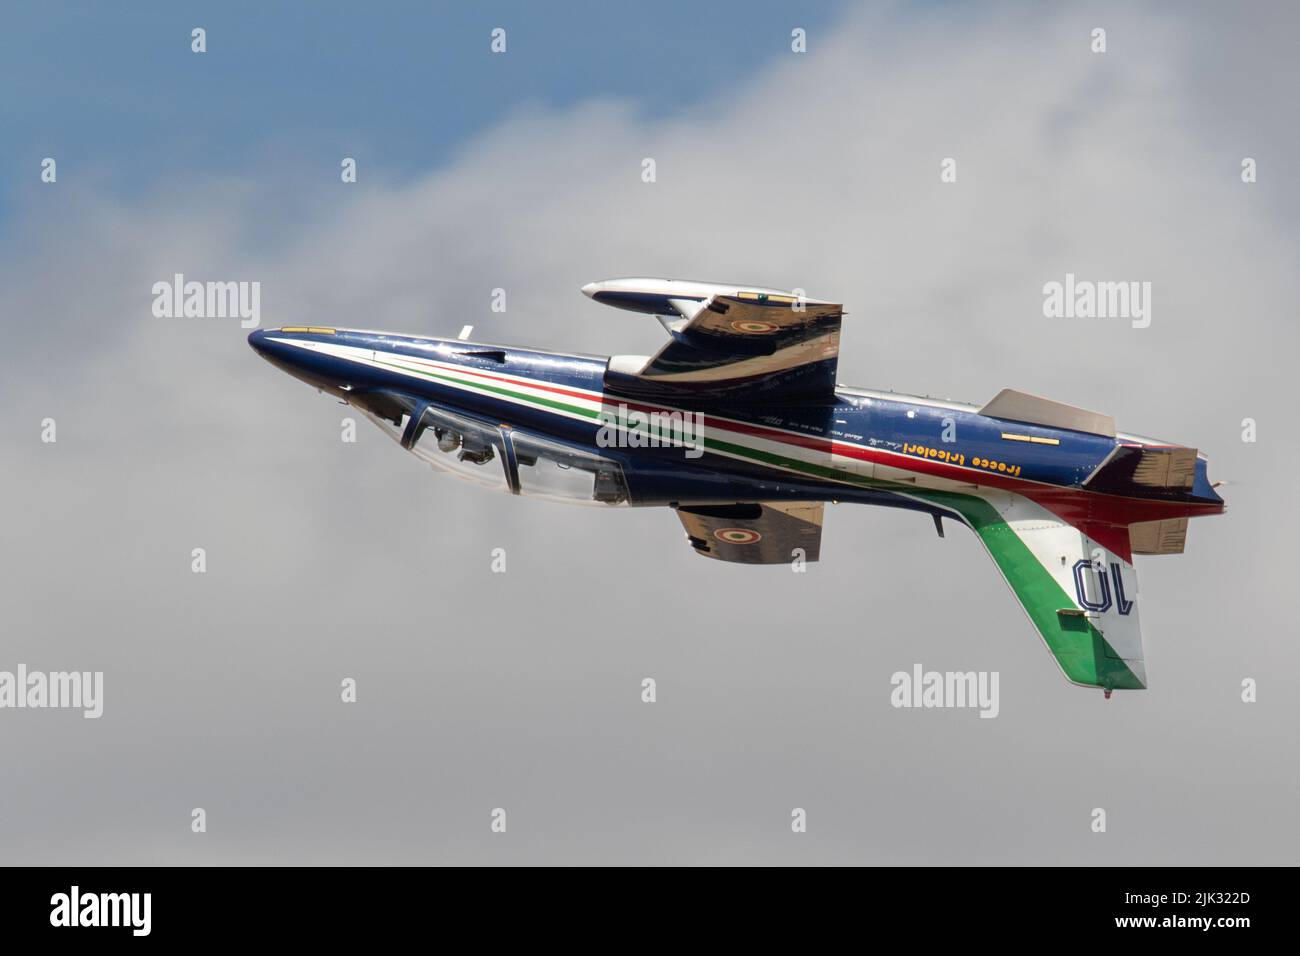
(1080, 649)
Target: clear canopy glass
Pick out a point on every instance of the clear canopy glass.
(548, 469)
(479, 452)
(450, 443)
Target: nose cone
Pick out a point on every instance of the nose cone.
(318, 370)
(278, 352)
(591, 288)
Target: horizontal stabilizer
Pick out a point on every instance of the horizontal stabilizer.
(1158, 537)
(1140, 471)
(1017, 406)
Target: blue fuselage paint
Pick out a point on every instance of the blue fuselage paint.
(910, 432)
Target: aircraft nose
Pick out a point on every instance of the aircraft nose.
(591, 288)
(275, 352)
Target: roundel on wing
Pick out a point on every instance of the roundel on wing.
(754, 327)
(737, 535)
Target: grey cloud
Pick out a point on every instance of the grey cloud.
(522, 690)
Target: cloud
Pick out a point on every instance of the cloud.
(522, 690)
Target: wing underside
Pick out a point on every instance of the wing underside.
(755, 533)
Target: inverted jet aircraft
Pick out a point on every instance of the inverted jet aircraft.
(737, 424)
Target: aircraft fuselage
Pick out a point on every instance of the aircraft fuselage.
(870, 447)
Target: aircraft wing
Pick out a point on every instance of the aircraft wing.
(772, 532)
(746, 345)
(1081, 597)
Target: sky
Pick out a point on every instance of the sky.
(522, 170)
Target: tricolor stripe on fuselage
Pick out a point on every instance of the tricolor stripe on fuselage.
(837, 465)
(812, 456)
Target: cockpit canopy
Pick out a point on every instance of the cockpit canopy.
(495, 456)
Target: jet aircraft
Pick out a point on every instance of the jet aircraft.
(738, 425)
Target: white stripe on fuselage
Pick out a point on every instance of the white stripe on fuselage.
(592, 400)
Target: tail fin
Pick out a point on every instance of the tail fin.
(1081, 596)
